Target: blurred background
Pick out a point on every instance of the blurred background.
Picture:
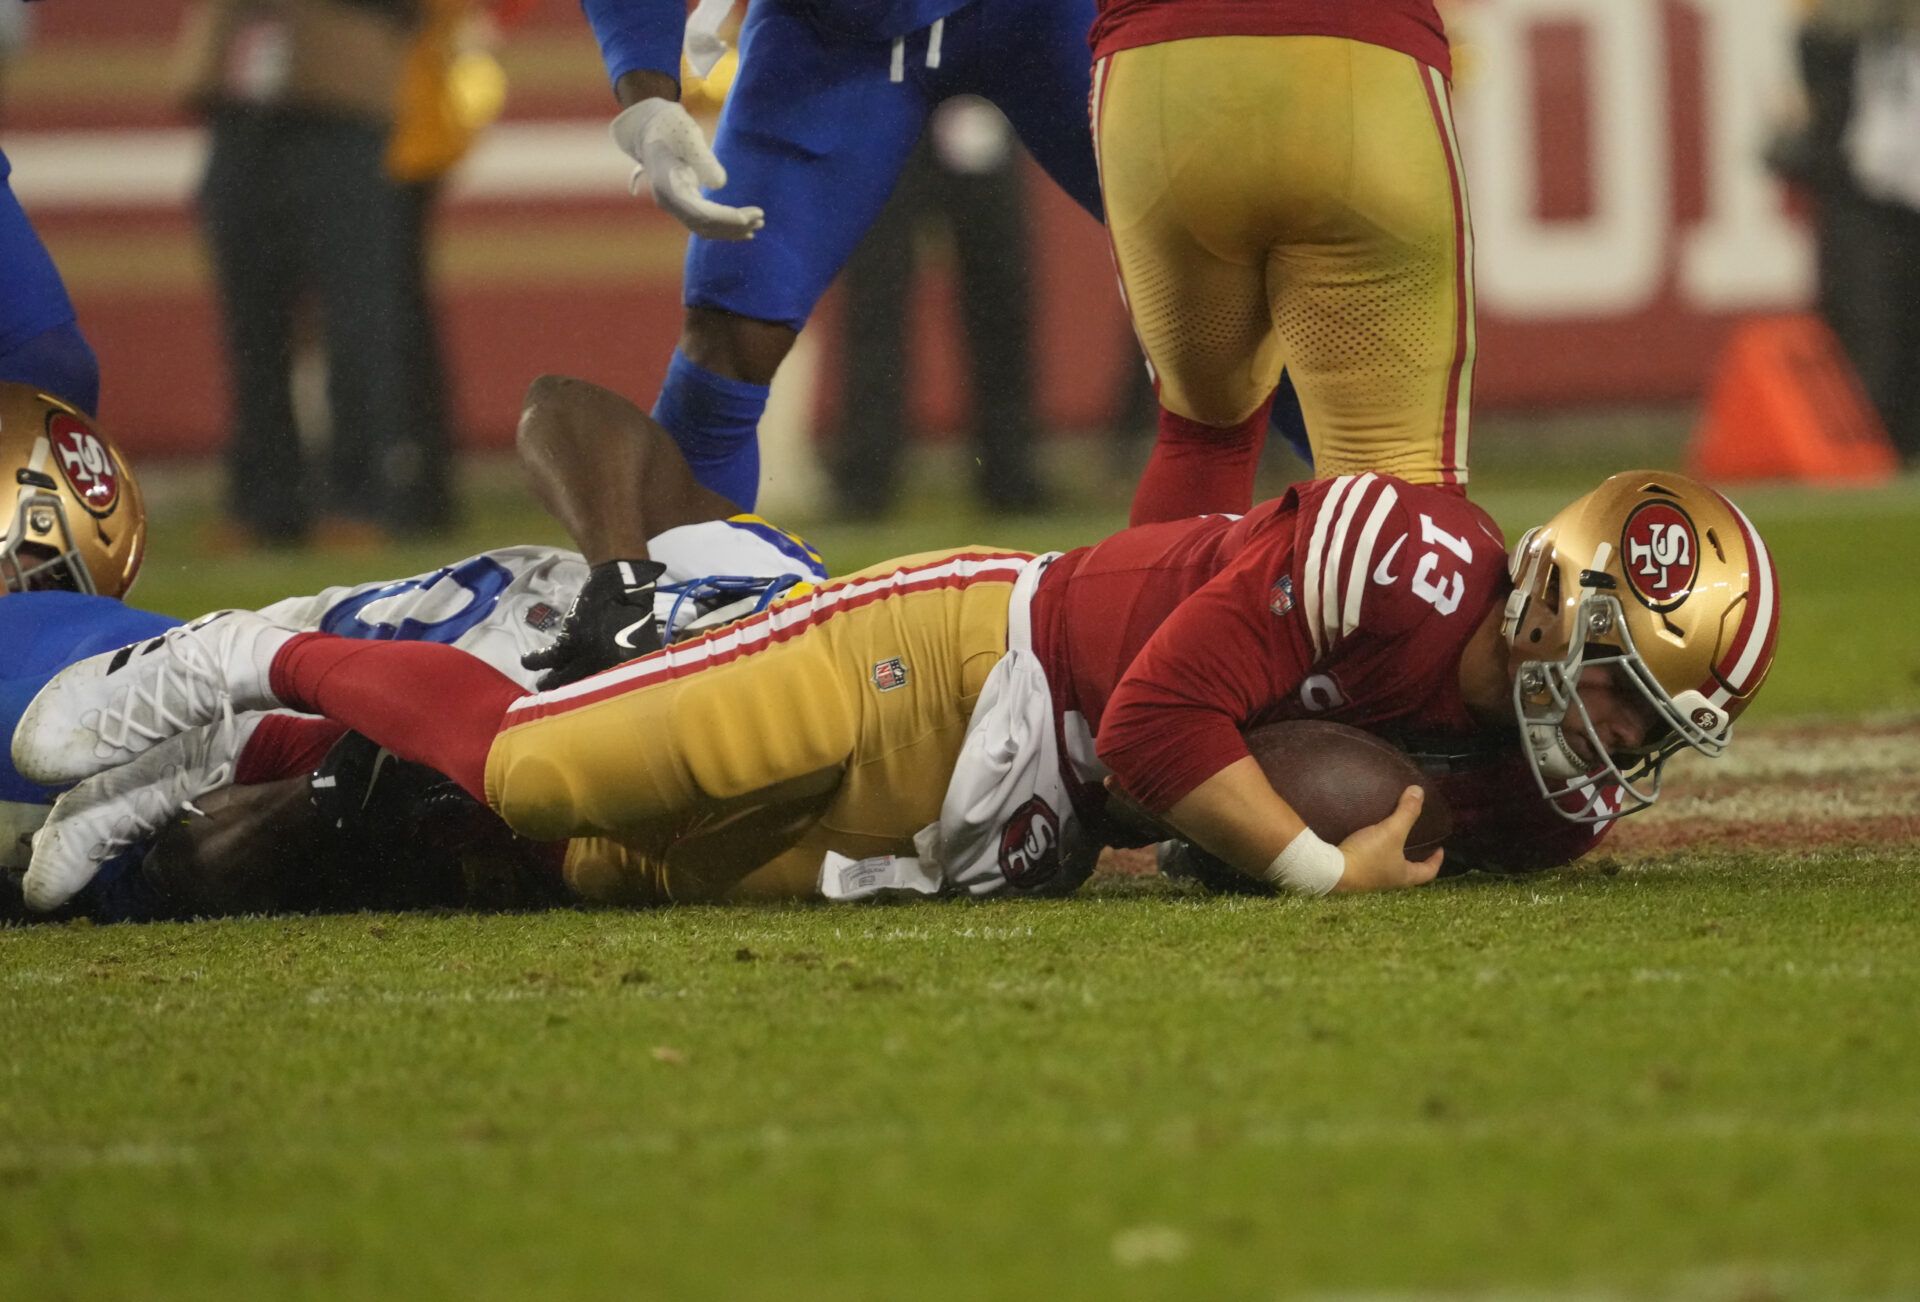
(1632, 231)
(1623, 216)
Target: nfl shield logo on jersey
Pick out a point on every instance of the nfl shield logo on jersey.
(889, 674)
(542, 617)
(1280, 600)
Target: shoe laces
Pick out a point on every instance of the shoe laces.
(151, 802)
(178, 694)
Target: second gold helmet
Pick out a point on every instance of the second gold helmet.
(69, 506)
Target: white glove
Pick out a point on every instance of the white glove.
(674, 158)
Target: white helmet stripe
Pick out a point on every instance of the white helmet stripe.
(1757, 631)
(1363, 557)
(1767, 612)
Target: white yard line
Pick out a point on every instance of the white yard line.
(1711, 1128)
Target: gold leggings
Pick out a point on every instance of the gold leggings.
(727, 765)
(1296, 202)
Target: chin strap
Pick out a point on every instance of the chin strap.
(1510, 618)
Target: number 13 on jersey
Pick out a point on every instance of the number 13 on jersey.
(1436, 581)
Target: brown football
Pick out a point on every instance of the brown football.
(1340, 779)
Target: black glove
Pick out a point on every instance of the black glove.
(609, 623)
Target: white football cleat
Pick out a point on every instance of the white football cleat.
(100, 713)
(124, 806)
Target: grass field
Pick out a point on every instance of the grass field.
(1689, 1068)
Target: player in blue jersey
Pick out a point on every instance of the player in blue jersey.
(830, 99)
(40, 342)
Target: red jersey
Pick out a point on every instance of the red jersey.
(1348, 599)
(1412, 27)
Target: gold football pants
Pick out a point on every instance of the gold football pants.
(1296, 202)
(727, 765)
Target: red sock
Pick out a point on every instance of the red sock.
(1196, 469)
(284, 746)
(425, 702)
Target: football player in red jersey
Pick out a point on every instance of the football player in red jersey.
(947, 722)
(1283, 190)
(1399, 610)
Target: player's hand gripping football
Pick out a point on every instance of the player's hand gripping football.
(610, 622)
(1376, 856)
(674, 159)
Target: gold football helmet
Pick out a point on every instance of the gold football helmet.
(1663, 580)
(75, 520)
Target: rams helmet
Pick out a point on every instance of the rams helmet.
(69, 505)
(1665, 581)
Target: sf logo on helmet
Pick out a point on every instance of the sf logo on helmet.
(85, 462)
(1662, 554)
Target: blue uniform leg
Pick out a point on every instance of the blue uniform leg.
(40, 343)
(815, 132)
(715, 422)
(1029, 58)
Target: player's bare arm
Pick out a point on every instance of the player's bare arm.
(613, 477)
(606, 470)
(644, 84)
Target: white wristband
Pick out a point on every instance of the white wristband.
(1308, 866)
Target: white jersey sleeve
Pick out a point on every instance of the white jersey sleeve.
(502, 604)
(497, 605)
